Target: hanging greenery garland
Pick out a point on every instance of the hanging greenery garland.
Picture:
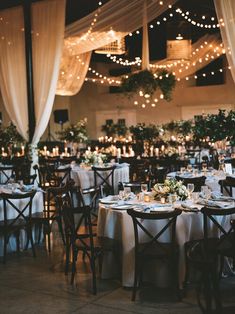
(148, 82)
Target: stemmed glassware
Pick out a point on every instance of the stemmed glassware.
(190, 188)
(144, 187)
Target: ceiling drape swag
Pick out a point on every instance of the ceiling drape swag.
(112, 21)
(13, 69)
(225, 9)
(48, 32)
(115, 20)
(73, 70)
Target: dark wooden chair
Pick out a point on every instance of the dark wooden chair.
(104, 177)
(154, 248)
(207, 255)
(79, 237)
(134, 186)
(227, 185)
(6, 174)
(21, 205)
(44, 220)
(197, 181)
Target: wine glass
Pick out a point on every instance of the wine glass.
(206, 193)
(127, 192)
(144, 187)
(190, 188)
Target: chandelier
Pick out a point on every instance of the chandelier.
(116, 47)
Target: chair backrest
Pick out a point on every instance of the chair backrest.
(6, 173)
(218, 217)
(197, 181)
(168, 224)
(19, 205)
(227, 185)
(104, 177)
(74, 218)
(134, 186)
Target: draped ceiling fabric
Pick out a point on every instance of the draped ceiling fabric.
(114, 20)
(225, 10)
(207, 48)
(48, 30)
(48, 18)
(13, 69)
(73, 70)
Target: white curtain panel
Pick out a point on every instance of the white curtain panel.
(225, 10)
(113, 20)
(12, 68)
(48, 20)
(73, 70)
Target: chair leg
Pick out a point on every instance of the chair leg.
(60, 226)
(31, 240)
(74, 260)
(92, 263)
(5, 249)
(67, 255)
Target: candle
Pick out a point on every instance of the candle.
(96, 148)
(89, 148)
(48, 153)
(119, 153)
(162, 148)
(124, 149)
(53, 151)
(179, 150)
(146, 198)
(22, 150)
(163, 200)
(57, 151)
(151, 151)
(2, 150)
(66, 151)
(156, 152)
(44, 150)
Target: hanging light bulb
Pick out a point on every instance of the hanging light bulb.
(179, 37)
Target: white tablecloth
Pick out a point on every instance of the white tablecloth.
(117, 224)
(85, 177)
(37, 206)
(212, 178)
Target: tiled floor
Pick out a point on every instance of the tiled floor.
(29, 285)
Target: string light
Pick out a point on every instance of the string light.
(187, 16)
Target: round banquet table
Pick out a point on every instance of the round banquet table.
(84, 177)
(37, 206)
(117, 224)
(212, 178)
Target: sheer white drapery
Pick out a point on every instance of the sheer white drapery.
(73, 70)
(12, 68)
(48, 31)
(206, 49)
(114, 19)
(225, 10)
(48, 19)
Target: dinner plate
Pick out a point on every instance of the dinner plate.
(108, 201)
(121, 207)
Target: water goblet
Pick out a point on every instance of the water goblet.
(189, 168)
(127, 192)
(144, 187)
(190, 188)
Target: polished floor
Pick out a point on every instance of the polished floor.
(29, 285)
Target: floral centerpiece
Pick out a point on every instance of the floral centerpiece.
(170, 186)
(94, 158)
(171, 152)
